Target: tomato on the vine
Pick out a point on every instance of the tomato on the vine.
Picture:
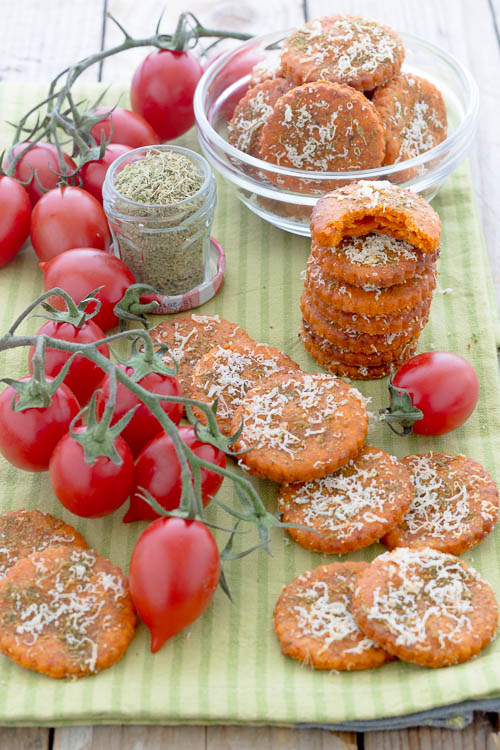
(443, 386)
(158, 471)
(123, 126)
(82, 270)
(174, 572)
(162, 91)
(67, 217)
(90, 490)
(39, 167)
(143, 426)
(92, 173)
(15, 223)
(83, 376)
(28, 437)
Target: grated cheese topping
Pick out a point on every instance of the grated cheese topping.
(252, 113)
(324, 613)
(375, 250)
(443, 500)
(423, 587)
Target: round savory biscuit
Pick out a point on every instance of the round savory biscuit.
(373, 259)
(189, 337)
(341, 369)
(425, 607)
(267, 68)
(371, 324)
(251, 114)
(65, 612)
(350, 509)
(369, 299)
(25, 531)
(227, 373)
(375, 206)
(353, 340)
(322, 127)
(454, 508)
(413, 114)
(314, 624)
(346, 49)
(300, 426)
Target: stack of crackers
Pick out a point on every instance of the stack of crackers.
(337, 101)
(369, 279)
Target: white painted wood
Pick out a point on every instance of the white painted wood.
(24, 738)
(278, 738)
(129, 738)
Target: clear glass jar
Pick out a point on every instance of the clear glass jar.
(166, 246)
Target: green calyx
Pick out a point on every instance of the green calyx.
(131, 308)
(400, 411)
(77, 315)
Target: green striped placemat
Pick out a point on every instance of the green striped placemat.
(227, 667)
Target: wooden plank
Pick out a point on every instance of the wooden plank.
(273, 738)
(129, 738)
(468, 31)
(45, 37)
(478, 736)
(24, 738)
(140, 19)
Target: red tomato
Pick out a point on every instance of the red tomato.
(174, 572)
(129, 128)
(81, 270)
(143, 426)
(239, 67)
(157, 470)
(27, 438)
(162, 91)
(90, 490)
(40, 162)
(93, 173)
(443, 386)
(15, 223)
(67, 217)
(83, 376)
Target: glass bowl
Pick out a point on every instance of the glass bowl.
(226, 81)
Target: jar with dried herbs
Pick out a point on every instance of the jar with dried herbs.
(160, 204)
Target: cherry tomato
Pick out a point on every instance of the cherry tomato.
(90, 490)
(83, 376)
(174, 572)
(129, 128)
(235, 70)
(81, 270)
(158, 471)
(93, 173)
(39, 166)
(15, 223)
(28, 437)
(162, 91)
(143, 426)
(67, 217)
(443, 386)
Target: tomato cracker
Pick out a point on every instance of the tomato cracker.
(454, 508)
(350, 509)
(314, 624)
(425, 607)
(299, 426)
(251, 114)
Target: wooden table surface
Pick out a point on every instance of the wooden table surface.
(39, 39)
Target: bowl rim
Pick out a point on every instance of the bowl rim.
(471, 97)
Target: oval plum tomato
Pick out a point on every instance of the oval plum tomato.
(158, 471)
(143, 426)
(67, 217)
(83, 376)
(128, 128)
(90, 490)
(162, 91)
(81, 270)
(28, 437)
(443, 386)
(174, 572)
(15, 223)
(93, 173)
(40, 165)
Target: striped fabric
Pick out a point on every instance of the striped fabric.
(227, 667)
